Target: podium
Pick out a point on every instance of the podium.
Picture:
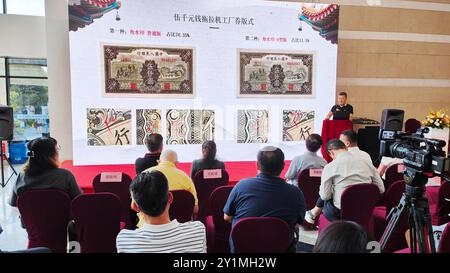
(332, 129)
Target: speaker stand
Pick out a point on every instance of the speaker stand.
(3, 183)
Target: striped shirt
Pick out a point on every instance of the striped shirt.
(174, 237)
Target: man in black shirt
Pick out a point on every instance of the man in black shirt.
(342, 110)
(154, 143)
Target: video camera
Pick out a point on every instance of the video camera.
(421, 154)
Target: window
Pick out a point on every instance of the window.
(26, 90)
(25, 7)
(1, 7)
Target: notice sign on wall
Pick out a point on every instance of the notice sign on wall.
(242, 73)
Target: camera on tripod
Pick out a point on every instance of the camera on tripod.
(423, 159)
(418, 153)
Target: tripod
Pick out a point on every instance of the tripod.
(421, 233)
(2, 155)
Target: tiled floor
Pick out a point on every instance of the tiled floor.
(14, 237)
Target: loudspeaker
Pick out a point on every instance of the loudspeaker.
(392, 119)
(6, 123)
(369, 143)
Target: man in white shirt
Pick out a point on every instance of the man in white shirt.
(151, 196)
(350, 139)
(345, 170)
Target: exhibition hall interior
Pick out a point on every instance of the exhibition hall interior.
(225, 126)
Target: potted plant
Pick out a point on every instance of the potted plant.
(439, 123)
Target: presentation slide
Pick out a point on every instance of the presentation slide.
(244, 73)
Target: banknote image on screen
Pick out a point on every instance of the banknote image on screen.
(148, 121)
(148, 71)
(253, 126)
(189, 126)
(297, 125)
(276, 73)
(107, 126)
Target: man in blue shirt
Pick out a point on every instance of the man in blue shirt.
(267, 195)
(308, 160)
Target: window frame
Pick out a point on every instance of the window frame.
(7, 76)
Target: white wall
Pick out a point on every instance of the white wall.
(22, 36)
(33, 37)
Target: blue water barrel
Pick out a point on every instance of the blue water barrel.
(18, 152)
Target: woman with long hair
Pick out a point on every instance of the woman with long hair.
(208, 160)
(42, 171)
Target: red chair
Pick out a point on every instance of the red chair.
(310, 187)
(261, 235)
(205, 185)
(357, 204)
(440, 212)
(393, 175)
(45, 215)
(379, 222)
(97, 219)
(412, 125)
(217, 229)
(122, 190)
(182, 206)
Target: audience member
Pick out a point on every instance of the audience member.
(151, 196)
(154, 143)
(343, 237)
(267, 195)
(308, 160)
(386, 162)
(42, 171)
(345, 170)
(350, 139)
(208, 161)
(178, 180)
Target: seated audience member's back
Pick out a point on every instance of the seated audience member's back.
(266, 195)
(151, 196)
(342, 237)
(154, 143)
(208, 161)
(350, 139)
(308, 160)
(42, 171)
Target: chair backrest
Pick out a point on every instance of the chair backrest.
(358, 202)
(45, 215)
(182, 206)
(122, 190)
(217, 202)
(309, 186)
(412, 125)
(261, 235)
(394, 193)
(97, 220)
(444, 242)
(443, 204)
(393, 175)
(205, 184)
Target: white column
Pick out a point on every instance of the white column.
(59, 95)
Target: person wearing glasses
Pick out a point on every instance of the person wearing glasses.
(345, 170)
(42, 171)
